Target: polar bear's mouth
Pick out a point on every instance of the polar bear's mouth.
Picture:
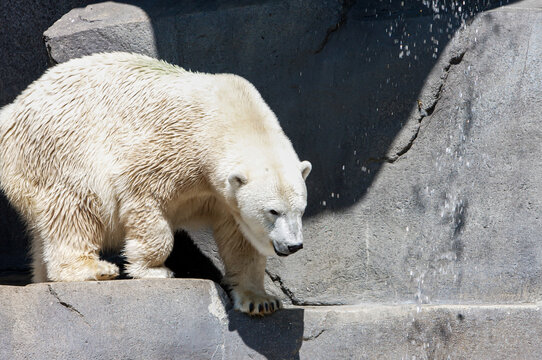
(278, 252)
(291, 249)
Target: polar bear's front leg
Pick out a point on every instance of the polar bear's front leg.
(245, 271)
(149, 241)
(245, 278)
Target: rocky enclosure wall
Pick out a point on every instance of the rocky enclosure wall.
(422, 124)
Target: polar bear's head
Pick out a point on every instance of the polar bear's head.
(270, 205)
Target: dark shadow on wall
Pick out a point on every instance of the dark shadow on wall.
(341, 76)
(23, 57)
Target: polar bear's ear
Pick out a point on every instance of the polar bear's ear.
(306, 168)
(236, 179)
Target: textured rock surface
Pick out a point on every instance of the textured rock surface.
(111, 26)
(425, 189)
(189, 319)
(426, 161)
(456, 218)
(73, 320)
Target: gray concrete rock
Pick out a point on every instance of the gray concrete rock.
(456, 218)
(428, 332)
(424, 138)
(192, 319)
(111, 26)
(102, 320)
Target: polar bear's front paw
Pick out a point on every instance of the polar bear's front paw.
(106, 270)
(254, 303)
(138, 272)
(83, 269)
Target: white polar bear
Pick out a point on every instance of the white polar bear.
(119, 150)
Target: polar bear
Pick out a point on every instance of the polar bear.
(118, 150)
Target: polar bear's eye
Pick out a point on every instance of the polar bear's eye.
(274, 212)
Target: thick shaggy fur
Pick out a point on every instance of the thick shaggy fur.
(120, 150)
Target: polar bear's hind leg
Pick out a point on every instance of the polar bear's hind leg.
(68, 236)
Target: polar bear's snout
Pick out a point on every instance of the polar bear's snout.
(294, 248)
(290, 249)
(287, 236)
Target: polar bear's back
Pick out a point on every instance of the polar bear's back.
(89, 122)
(92, 99)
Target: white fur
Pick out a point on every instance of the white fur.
(120, 150)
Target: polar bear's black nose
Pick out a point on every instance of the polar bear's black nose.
(294, 248)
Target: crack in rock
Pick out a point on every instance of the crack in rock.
(276, 279)
(65, 304)
(88, 20)
(455, 60)
(296, 301)
(343, 16)
(312, 337)
(425, 111)
(428, 111)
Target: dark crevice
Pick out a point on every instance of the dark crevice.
(424, 112)
(455, 60)
(343, 16)
(51, 61)
(409, 145)
(309, 338)
(400, 153)
(428, 111)
(295, 301)
(277, 280)
(65, 304)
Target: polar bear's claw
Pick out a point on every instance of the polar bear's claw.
(255, 303)
(107, 271)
